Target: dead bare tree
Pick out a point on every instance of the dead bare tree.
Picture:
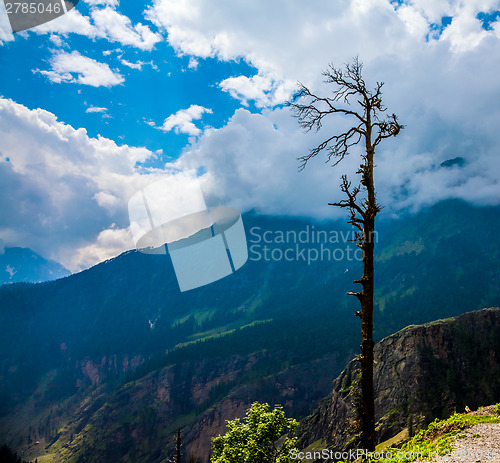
(361, 202)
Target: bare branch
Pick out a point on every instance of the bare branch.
(348, 83)
(336, 146)
(388, 128)
(311, 114)
(359, 295)
(350, 202)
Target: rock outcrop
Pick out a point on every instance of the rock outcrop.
(421, 373)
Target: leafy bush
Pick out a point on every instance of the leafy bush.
(257, 438)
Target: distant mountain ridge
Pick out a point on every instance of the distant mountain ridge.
(24, 265)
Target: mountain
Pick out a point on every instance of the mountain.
(421, 373)
(24, 265)
(96, 362)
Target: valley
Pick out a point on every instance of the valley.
(107, 364)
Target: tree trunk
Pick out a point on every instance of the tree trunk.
(367, 392)
(366, 316)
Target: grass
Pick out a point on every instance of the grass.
(396, 440)
(383, 295)
(219, 331)
(437, 439)
(399, 249)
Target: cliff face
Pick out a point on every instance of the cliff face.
(137, 420)
(424, 372)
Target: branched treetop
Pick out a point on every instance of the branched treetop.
(349, 85)
(350, 98)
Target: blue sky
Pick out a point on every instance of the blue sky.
(163, 85)
(115, 95)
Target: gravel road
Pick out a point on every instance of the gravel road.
(479, 443)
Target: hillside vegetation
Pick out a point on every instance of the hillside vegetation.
(108, 362)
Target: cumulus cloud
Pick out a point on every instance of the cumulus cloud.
(63, 193)
(193, 63)
(251, 164)
(284, 44)
(72, 22)
(440, 79)
(433, 56)
(117, 27)
(103, 112)
(290, 42)
(464, 31)
(109, 243)
(182, 120)
(76, 68)
(263, 90)
(110, 52)
(104, 22)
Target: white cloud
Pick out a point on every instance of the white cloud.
(138, 64)
(113, 3)
(442, 83)
(72, 22)
(465, 31)
(182, 120)
(252, 165)
(109, 243)
(291, 43)
(116, 27)
(104, 22)
(262, 89)
(114, 50)
(193, 63)
(56, 40)
(75, 68)
(414, 21)
(64, 194)
(284, 44)
(96, 109)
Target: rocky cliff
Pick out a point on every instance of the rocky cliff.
(138, 419)
(421, 373)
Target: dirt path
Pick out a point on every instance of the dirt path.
(479, 443)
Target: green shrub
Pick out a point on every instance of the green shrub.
(262, 436)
